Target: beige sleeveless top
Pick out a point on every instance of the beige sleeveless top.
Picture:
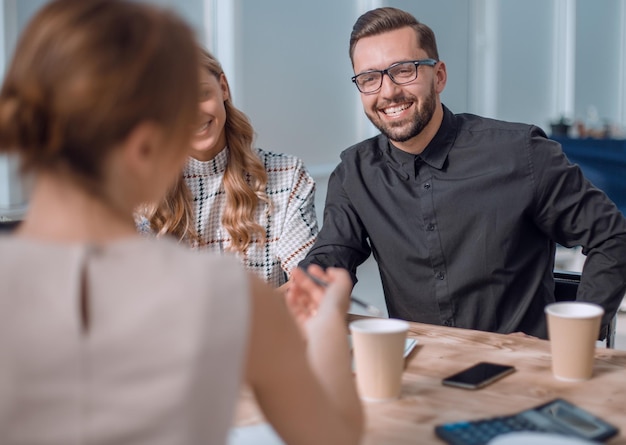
(137, 342)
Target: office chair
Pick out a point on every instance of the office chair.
(565, 288)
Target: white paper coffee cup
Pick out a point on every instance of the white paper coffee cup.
(573, 329)
(378, 347)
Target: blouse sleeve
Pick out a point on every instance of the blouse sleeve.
(300, 226)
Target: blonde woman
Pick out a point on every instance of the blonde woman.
(110, 337)
(234, 198)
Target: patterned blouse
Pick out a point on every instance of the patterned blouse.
(290, 228)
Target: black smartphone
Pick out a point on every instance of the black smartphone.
(478, 376)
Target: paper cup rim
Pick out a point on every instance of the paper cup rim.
(379, 326)
(571, 379)
(574, 309)
(378, 400)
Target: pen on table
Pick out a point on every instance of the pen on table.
(373, 310)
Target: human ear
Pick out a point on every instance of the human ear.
(224, 87)
(141, 149)
(441, 77)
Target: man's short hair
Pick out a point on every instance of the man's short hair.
(381, 20)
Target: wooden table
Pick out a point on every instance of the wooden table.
(441, 351)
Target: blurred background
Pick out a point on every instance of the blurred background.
(559, 64)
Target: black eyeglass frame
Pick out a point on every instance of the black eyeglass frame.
(417, 63)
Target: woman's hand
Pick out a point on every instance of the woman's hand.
(306, 296)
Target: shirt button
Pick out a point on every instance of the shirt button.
(430, 227)
(439, 275)
(427, 185)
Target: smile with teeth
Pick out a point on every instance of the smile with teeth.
(396, 109)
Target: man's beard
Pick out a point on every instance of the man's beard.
(400, 131)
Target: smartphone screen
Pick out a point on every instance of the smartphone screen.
(479, 375)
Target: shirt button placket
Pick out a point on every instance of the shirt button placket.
(436, 252)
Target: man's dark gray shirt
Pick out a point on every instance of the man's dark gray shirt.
(464, 234)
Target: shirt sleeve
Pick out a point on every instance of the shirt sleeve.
(343, 240)
(576, 213)
(300, 227)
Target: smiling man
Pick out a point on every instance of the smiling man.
(461, 212)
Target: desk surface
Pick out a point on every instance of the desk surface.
(441, 351)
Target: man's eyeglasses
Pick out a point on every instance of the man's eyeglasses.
(400, 73)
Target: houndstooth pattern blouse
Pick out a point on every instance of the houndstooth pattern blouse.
(290, 227)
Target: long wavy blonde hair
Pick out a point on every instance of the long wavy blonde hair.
(244, 184)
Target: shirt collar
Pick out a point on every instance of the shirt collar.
(213, 167)
(435, 153)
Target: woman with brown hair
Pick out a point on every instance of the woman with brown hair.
(109, 337)
(231, 197)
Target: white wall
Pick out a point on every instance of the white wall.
(524, 55)
(293, 76)
(599, 58)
